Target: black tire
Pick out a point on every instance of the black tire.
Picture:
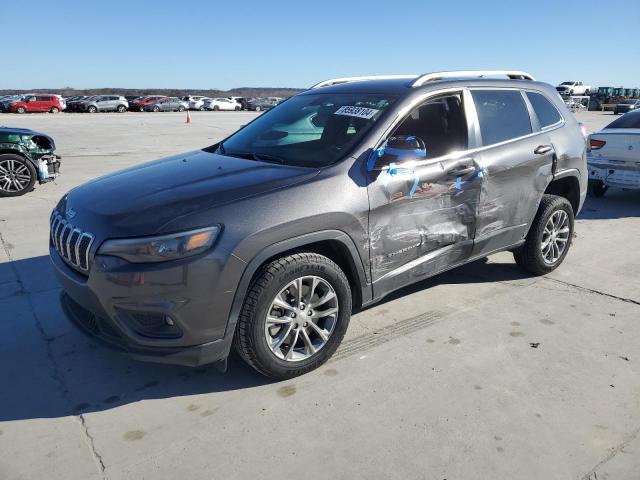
(156, 109)
(216, 108)
(20, 110)
(257, 109)
(121, 109)
(54, 110)
(202, 109)
(238, 109)
(249, 339)
(529, 256)
(23, 162)
(597, 188)
(181, 108)
(92, 109)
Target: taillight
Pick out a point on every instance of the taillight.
(596, 144)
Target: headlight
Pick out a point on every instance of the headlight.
(161, 248)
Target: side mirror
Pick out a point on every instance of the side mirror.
(398, 149)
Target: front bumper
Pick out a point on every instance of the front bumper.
(615, 174)
(121, 304)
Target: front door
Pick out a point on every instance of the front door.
(422, 216)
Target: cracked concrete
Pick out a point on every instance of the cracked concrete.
(455, 391)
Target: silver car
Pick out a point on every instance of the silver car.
(105, 103)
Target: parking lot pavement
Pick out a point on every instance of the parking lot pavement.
(482, 372)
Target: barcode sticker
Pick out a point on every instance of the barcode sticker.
(360, 112)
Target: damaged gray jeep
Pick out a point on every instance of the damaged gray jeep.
(338, 196)
(26, 157)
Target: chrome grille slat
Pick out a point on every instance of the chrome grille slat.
(71, 242)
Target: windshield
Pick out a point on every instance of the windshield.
(312, 130)
(566, 83)
(630, 102)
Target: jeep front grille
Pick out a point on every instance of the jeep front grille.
(70, 242)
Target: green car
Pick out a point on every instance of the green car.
(25, 157)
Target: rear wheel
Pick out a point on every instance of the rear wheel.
(17, 175)
(258, 109)
(216, 108)
(181, 108)
(294, 316)
(122, 109)
(597, 188)
(238, 109)
(54, 110)
(549, 237)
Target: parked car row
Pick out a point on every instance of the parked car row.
(36, 102)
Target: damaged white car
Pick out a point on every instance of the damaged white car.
(614, 156)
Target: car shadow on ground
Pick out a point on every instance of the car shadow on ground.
(50, 369)
(617, 203)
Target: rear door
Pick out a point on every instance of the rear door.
(42, 104)
(517, 159)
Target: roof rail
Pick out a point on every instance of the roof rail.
(336, 81)
(431, 77)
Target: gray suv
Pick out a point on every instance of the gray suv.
(105, 103)
(333, 199)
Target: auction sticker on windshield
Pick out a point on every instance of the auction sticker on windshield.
(360, 112)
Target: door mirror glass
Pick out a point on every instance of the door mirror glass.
(398, 149)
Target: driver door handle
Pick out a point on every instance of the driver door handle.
(460, 167)
(543, 149)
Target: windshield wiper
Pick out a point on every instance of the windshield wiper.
(260, 157)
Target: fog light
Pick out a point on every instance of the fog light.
(169, 321)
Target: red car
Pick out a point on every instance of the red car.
(139, 103)
(37, 102)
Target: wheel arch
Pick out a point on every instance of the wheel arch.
(334, 244)
(4, 150)
(567, 186)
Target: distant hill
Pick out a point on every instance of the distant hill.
(250, 92)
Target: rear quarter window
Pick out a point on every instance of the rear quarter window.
(502, 114)
(547, 114)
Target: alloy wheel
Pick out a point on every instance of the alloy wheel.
(555, 237)
(14, 176)
(301, 318)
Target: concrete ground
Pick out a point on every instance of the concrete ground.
(483, 372)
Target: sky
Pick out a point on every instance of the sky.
(272, 43)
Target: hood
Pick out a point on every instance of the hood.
(143, 199)
(7, 132)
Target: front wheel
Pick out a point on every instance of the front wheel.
(17, 175)
(258, 109)
(597, 188)
(92, 109)
(549, 237)
(295, 315)
(156, 109)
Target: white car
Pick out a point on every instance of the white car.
(573, 88)
(194, 102)
(613, 159)
(221, 104)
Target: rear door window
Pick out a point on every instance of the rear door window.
(502, 114)
(547, 114)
